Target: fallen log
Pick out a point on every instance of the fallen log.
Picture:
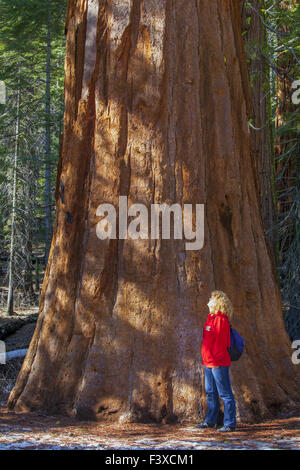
(8, 356)
(11, 325)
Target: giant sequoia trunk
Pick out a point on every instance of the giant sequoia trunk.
(155, 97)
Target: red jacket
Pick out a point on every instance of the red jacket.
(216, 340)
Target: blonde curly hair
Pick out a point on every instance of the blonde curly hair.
(222, 303)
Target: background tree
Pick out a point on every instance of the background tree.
(257, 46)
(271, 33)
(287, 157)
(40, 57)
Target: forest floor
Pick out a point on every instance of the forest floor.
(39, 431)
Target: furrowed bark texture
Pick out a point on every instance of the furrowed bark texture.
(155, 109)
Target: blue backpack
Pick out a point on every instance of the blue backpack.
(237, 345)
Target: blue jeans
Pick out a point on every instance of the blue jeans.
(217, 383)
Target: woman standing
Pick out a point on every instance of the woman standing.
(216, 362)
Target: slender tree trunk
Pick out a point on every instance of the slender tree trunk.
(155, 109)
(286, 165)
(29, 295)
(37, 276)
(48, 223)
(10, 297)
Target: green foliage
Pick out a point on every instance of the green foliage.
(25, 26)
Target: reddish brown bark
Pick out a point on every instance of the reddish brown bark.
(161, 117)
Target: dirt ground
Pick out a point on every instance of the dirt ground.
(38, 431)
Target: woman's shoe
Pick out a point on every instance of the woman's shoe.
(227, 429)
(205, 425)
